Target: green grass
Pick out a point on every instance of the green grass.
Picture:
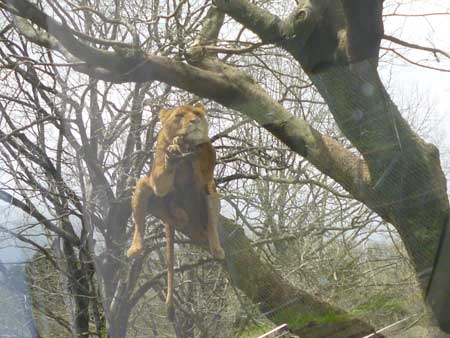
(253, 331)
(298, 321)
(385, 302)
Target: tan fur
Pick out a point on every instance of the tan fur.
(180, 188)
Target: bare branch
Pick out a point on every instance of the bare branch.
(435, 51)
(8, 198)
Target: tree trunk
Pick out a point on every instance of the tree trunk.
(78, 287)
(408, 184)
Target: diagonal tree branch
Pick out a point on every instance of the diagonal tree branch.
(8, 198)
(400, 42)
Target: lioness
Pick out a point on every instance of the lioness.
(180, 189)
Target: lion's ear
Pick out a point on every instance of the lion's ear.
(164, 114)
(200, 107)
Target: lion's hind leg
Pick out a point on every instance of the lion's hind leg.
(213, 204)
(204, 169)
(139, 203)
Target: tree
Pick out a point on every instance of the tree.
(381, 163)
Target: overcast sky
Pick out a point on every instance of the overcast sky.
(433, 86)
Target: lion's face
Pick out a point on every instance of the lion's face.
(189, 122)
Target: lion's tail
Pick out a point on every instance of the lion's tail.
(170, 233)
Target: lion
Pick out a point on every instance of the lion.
(180, 188)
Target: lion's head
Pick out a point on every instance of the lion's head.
(188, 122)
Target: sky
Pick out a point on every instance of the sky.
(433, 86)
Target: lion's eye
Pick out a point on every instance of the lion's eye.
(178, 117)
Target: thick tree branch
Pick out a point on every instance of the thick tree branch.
(265, 24)
(61, 32)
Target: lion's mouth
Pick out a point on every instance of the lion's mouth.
(192, 135)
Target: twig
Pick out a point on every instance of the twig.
(412, 45)
(387, 327)
(415, 63)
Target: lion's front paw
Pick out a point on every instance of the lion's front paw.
(174, 152)
(135, 250)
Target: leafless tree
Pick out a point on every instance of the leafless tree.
(82, 84)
